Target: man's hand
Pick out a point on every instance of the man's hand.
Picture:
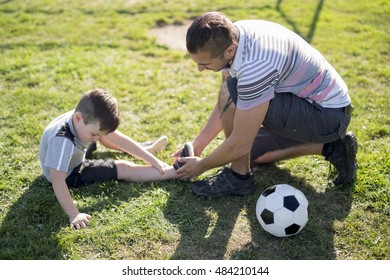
(192, 167)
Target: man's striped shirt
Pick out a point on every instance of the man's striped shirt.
(272, 59)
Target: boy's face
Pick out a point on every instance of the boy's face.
(87, 132)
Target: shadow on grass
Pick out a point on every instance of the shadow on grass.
(309, 36)
(204, 238)
(225, 228)
(279, 8)
(30, 228)
(31, 222)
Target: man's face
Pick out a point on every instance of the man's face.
(205, 61)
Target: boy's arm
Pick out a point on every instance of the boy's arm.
(120, 141)
(62, 193)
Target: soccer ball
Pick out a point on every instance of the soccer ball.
(282, 210)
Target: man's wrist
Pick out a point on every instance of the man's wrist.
(203, 165)
(196, 147)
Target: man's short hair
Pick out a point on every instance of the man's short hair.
(210, 32)
(99, 105)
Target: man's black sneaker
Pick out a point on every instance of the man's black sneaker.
(188, 151)
(223, 183)
(343, 158)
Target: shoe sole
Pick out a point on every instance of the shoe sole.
(187, 151)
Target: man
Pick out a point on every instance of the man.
(279, 99)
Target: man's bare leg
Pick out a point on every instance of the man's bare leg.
(241, 165)
(291, 152)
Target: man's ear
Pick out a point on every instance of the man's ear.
(230, 51)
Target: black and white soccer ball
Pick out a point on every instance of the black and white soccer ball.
(282, 210)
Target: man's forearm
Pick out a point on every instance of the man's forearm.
(208, 132)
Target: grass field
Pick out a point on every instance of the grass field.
(53, 51)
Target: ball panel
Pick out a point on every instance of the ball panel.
(263, 225)
(274, 202)
(276, 230)
(267, 217)
(260, 203)
(293, 229)
(301, 216)
(268, 191)
(301, 198)
(290, 202)
(285, 190)
(283, 217)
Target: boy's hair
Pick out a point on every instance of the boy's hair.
(210, 32)
(98, 105)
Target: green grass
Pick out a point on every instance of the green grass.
(53, 51)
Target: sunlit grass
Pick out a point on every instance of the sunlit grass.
(53, 51)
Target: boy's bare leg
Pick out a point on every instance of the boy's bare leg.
(130, 171)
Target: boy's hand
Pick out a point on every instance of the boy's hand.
(79, 220)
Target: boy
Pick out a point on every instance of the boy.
(64, 145)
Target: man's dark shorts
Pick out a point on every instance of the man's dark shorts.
(92, 171)
(291, 121)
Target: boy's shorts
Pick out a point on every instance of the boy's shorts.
(292, 120)
(92, 171)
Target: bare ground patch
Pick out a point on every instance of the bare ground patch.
(172, 36)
